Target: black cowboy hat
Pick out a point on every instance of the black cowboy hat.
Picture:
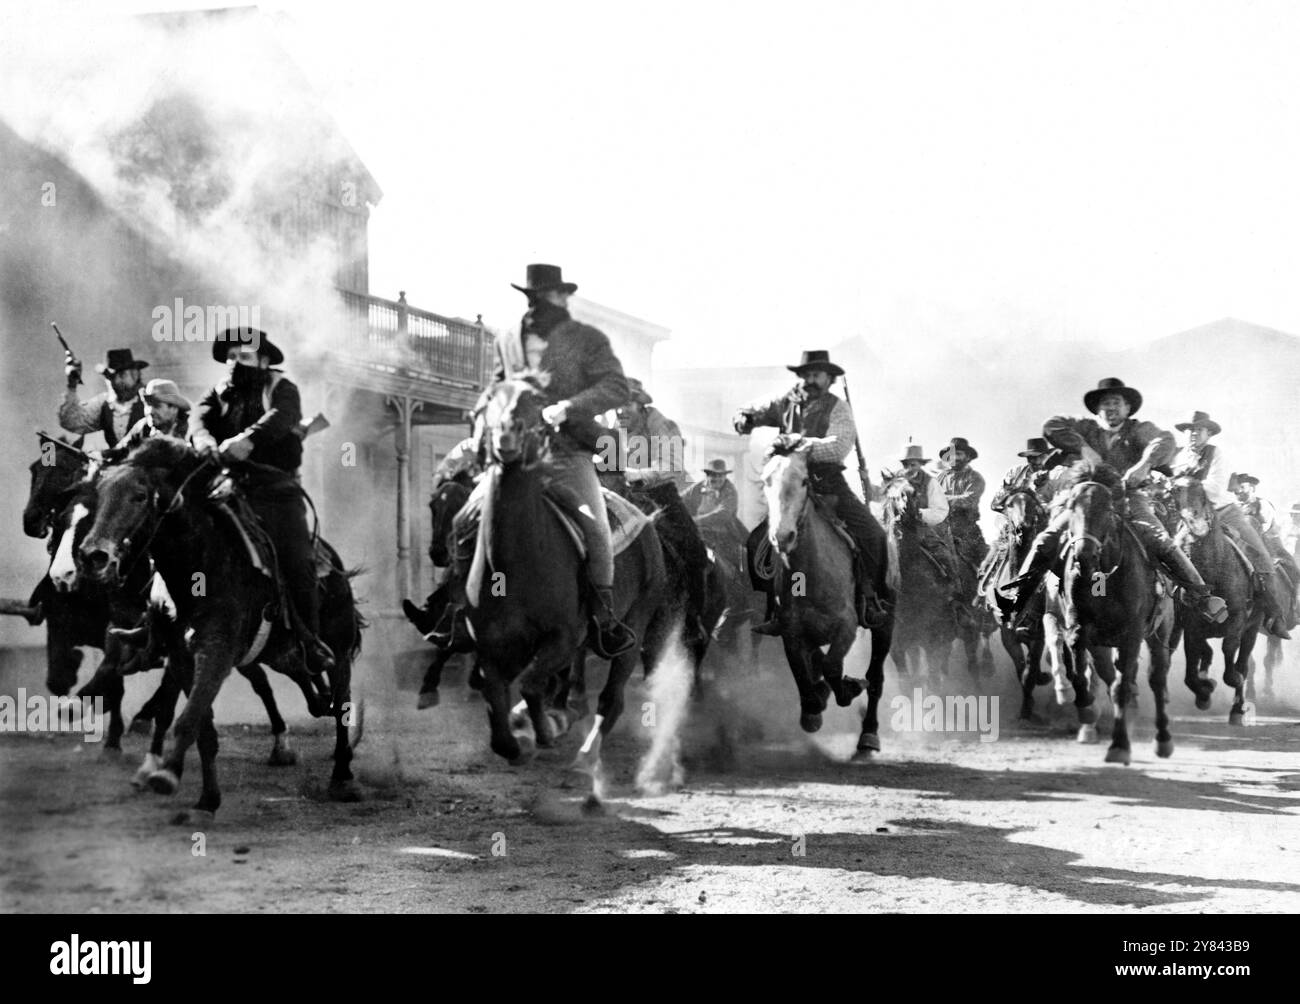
(1200, 420)
(637, 392)
(539, 278)
(816, 359)
(1112, 385)
(1036, 447)
(118, 360)
(246, 336)
(959, 444)
(1247, 479)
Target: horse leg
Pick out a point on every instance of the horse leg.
(1272, 657)
(164, 699)
(1158, 677)
(1016, 650)
(432, 679)
(343, 786)
(1120, 680)
(114, 691)
(62, 657)
(149, 711)
(496, 691)
(1246, 643)
(812, 701)
(212, 664)
(281, 754)
(1195, 676)
(1085, 703)
(210, 798)
(869, 738)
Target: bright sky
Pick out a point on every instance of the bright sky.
(758, 176)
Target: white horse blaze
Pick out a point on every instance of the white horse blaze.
(63, 569)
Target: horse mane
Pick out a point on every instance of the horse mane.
(1085, 470)
(161, 451)
(784, 445)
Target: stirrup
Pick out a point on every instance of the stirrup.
(317, 656)
(611, 639)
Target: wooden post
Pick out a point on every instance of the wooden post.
(405, 407)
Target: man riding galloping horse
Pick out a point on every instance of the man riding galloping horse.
(814, 411)
(1203, 461)
(1113, 437)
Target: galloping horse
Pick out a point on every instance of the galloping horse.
(155, 505)
(525, 590)
(814, 582)
(1109, 601)
(925, 617)
(1022, 636)
(444, 504)
(1225, 572)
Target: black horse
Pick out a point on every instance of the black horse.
(155, 505)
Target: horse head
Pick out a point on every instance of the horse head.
(1093, 518)
(785, 489)
(1024, 511)
(513, 419)
(901, 502)
(60, 466)
(1192, 505)
(131, 501)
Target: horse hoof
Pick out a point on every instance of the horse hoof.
(282, 756)
(1087, 734)
(810, 723)
(527, 751)
(201, 818)
(111, 752)
(869, 742)
(345, 791)
(1088, 714)
(163, 782)
(140, 726)
(592, 806)
(1165, 748)
(427, 699)
(848, 690)
(1232, 679)
(1118, 754)
(1236, 718)
(1203, 702)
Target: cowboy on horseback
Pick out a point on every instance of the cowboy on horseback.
(254, 416)
(114, 412)
(930, 514)
(1032, 474)
(169, 415)
(1113, 437)
(811, 409)
(964, 487)
(1203, 461)
(585, 380)
(655, 443)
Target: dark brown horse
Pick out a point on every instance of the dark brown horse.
(155, 505)
(1023, 634)
(926, 617)
(1229, 577)
(1109, 600)
(526, 593)
(814, 582)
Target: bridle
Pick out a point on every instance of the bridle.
(1073, 540)
(151, 514)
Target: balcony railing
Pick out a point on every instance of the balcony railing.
(394, 332)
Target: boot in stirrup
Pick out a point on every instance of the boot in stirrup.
(609, 637)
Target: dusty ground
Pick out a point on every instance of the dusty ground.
(1031, 822)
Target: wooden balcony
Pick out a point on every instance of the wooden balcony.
(396, 349)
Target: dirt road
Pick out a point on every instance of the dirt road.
(767, 820)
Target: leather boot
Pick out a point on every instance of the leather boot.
(452, 631)
(609, 637)
(1198, 595)
(1020, 590)
(771, 626)
(421, 617)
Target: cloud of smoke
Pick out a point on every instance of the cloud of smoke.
(669, 694)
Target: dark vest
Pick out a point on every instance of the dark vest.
(923, 490)
(1202, 468)
(106, 420)
(812, 418)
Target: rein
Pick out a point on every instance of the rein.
(173, 506)
(1075, 539)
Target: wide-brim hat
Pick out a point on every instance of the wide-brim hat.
(816, 359)
(246, 336)
(118, 360)
(717, 467)
(540, 278)
(637, 392)
(1247, 479)
(914, 452)
(1113, 385)
(1036, 447)
(167, 392)
(958, 444)
(1200, 420)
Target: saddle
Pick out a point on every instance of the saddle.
(626, 521)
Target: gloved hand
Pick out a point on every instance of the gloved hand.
(71, 369)
(743, 422)
(236, 448)
(555, 414)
